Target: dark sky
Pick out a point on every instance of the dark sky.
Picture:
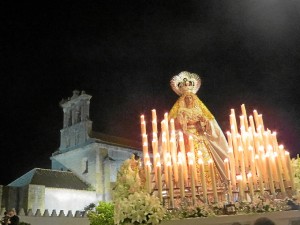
(124, 54)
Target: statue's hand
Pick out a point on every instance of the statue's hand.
(202, 119)
(207, 127)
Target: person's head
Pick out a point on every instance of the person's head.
(11, 212)
(263, 221)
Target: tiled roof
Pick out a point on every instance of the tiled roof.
(118, 141)
(51, 178)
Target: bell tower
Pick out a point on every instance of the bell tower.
(76, 125)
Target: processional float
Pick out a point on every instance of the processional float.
(255, 164)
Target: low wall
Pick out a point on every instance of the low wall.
(33, 220)
(280, 218)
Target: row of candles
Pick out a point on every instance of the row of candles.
(254, 154)
(255, 161)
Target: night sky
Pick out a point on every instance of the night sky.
(124, 54)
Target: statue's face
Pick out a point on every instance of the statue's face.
(188, 100)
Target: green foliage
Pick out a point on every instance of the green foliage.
(90, 207)
(102, 215)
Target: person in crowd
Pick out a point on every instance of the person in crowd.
(5, 219)
(263, 221)
(13, 218)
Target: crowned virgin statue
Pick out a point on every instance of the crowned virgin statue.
(192, 118)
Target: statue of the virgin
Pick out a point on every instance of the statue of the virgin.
(193, 118)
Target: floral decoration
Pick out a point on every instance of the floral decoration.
(296, 168)
(133, 205)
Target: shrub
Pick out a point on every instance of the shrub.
(102, 215)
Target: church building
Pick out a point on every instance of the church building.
(83, 169)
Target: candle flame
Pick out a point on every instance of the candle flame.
(286, 153)
(270, 148)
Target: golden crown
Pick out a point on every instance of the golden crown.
(185, 82)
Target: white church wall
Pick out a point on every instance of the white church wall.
(67, 199)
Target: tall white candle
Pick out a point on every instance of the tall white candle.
(171, 191)
(226, 164)
(213, 179)
(159, 181)
(203, 180)
(250, 183)
(241, 189)
(181, 176)
(154, 121)
(193, 188)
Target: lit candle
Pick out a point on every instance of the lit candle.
(252, 164)
(232, 168)
(255, 114)
(192, 153)
(166, 124)
(272, 162)
(241, 189)
(228, 175)
(213, 179)
(284, 165)
(259, 173)
(261, 122)
(159, 180)
(155, 150)
(145, 147)
(173, 150)
(235, 147)
(154, 121)
(242, 162)
(279, 172)
(242, 124)
(148, 176)
(252, 124)
(250, 183)
(203, 181)
(245, 116)
(143, 125)
(171, 191)
(270, 175)
(181, 175)
(232, 115)
(182, 149)
(164, 155)
(192, 171)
